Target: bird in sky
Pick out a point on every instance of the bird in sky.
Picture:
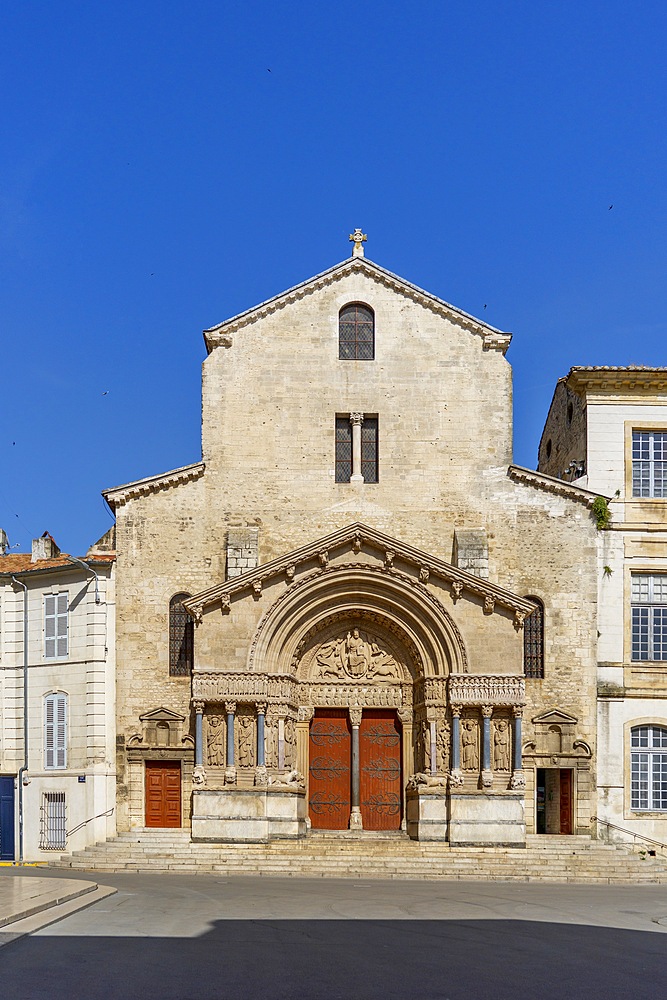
(610, 208)
(106, 392)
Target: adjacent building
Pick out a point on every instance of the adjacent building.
(57, 699)
(607, 431)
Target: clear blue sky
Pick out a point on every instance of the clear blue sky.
(166, 165)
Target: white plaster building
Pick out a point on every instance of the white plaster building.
(57, 787)
(607, 431)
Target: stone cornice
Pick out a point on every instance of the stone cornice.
(221, 335)
(549, 484)
(118, 495)
(357, 535)
(602, 378)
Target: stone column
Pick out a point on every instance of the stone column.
(518, 777)
(199, 733)
(355, 815)
(260, 770)
(405, 716)
(432, 755)
(303, 718)
(487, 774)
(230, 772)
(356, 419)
(456, 739)
(281, 743)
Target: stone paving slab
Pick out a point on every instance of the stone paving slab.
(24, 897)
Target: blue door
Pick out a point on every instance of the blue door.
(6, 819)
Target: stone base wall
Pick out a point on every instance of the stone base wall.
(248, 815)
(493, 820)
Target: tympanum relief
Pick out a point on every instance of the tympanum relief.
(357, 655)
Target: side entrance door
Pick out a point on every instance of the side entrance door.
(7, 818)
(330, 770)
(163, 793)
(380, 770)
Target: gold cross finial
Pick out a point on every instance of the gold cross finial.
(357, 237)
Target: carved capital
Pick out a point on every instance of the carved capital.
(517, 711)
(198, 705)
(305, 713)
(261, 707)
(356, 418)
(230, 707)
(355, 716)
(405, 716)
(456, 711)
(487, 711)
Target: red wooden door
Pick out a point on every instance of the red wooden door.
(380, 781)
(566, 801)
(330, 770)
(163, 793)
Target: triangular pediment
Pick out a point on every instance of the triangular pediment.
(383, 550)
(556, 717)
(220, 335)
(161, 715)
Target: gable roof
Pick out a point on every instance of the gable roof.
(118, 495)
(610, 378)
(354, 535)
(549, 484)
(493, 339)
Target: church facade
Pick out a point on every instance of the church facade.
(355, 613)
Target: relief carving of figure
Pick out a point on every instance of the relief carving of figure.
(215, 742)
(442, 746)
(246, 734)
(271, 739)
(355, 656)
(426, 745)
(501, 746)
(290, 741)
(470, 754)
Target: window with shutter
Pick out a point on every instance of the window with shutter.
(55, 625)
(55, 731)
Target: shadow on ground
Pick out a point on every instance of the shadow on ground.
(366, 959)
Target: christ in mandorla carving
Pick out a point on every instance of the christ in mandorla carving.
(355, 656)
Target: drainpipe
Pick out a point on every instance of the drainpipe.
(90, 570)
(23, 769)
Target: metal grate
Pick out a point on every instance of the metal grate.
(181, 638)
(356, 333)
(53, 831)
(369, 449)
(343, 450)
(533, 641)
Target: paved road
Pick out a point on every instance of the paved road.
(173, 937)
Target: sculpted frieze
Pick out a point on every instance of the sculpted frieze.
(487, 689)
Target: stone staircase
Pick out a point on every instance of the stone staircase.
(371, 855)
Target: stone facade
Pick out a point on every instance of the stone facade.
(400, 603)
(592, 418)
(63, 783)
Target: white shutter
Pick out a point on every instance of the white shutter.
(55, 731)
(55, 625)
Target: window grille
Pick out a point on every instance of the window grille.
(55, 625)
(53, 827)
(649, 464)
(369, 449)
(533, 641)
(181, 638)
(55, 731)
(356, 333)
(649, 616)
(343, 449)
(648, 768)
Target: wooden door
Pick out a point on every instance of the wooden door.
(566, 801)
(380, 783)
(7, 818)
(330, 770)
(163, 793)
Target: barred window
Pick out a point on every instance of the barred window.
(343, 449)
(55, 731)
(648, 766)
(369, 449)
(533, 640)
(649, 464)
(649, 616)
(53, 826)
(347, 458)
(181, 638)
(356, 333)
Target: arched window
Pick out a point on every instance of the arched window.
(648, 768)
(356, 333)
(181, 638)
(55, 730)
(533, 640)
